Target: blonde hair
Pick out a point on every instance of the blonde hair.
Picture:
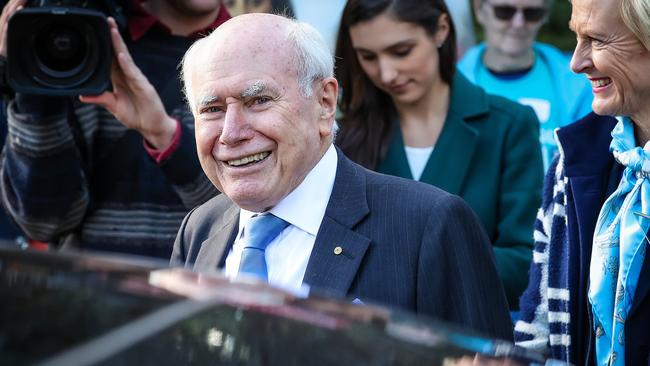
(636, 16)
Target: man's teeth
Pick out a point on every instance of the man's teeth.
(248, 159)
(600, 82)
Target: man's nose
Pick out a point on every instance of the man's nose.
(236, 127)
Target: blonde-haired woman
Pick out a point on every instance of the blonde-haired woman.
(588, 300)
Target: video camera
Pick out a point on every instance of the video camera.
(61, 47)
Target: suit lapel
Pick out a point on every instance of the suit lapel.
(452, 156)
(395, 163)
(329, 271)
(450, 161)
(213, 250)
(338, 249)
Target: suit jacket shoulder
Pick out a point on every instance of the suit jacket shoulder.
(216, 220)
(427, 252)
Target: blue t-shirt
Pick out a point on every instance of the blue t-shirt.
(534, 89)
(557, 95)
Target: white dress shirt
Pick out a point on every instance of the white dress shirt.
(304, 208)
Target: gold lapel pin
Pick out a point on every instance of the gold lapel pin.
(338, 250)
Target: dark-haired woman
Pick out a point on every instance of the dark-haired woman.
(406, 112)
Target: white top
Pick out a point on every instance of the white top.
(417, 158)
(304, 208)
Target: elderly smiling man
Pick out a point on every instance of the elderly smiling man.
(295, 211)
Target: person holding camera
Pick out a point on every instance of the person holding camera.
(116, 171)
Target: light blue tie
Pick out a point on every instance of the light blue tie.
(619, 246)
(259, 232)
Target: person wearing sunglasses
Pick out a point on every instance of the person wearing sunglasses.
(511, 64)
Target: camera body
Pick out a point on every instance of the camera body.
(60, 47)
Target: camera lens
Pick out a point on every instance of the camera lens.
(60, 50)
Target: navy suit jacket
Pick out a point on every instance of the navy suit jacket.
(405, 244)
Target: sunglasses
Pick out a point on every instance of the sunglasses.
(531, 14)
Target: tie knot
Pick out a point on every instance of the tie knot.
(260, 230)
(258, 233)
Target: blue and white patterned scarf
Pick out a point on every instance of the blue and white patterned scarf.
(619, 246)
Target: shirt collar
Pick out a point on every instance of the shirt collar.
(305, 206)
(141, 21)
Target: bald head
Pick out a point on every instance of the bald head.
(251, 32)
(296, 46)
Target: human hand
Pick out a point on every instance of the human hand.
(134, 101)
(10, 8)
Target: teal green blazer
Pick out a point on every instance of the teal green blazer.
(488, 153)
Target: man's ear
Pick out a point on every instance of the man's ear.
(327, 93)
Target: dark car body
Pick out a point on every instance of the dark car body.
(77, 309)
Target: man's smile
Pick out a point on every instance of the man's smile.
(249, 159)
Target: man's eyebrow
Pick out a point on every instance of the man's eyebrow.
(207, 100)
(256, 88)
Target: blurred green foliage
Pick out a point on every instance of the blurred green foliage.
(556, 31)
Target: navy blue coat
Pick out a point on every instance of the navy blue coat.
(591, 175)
